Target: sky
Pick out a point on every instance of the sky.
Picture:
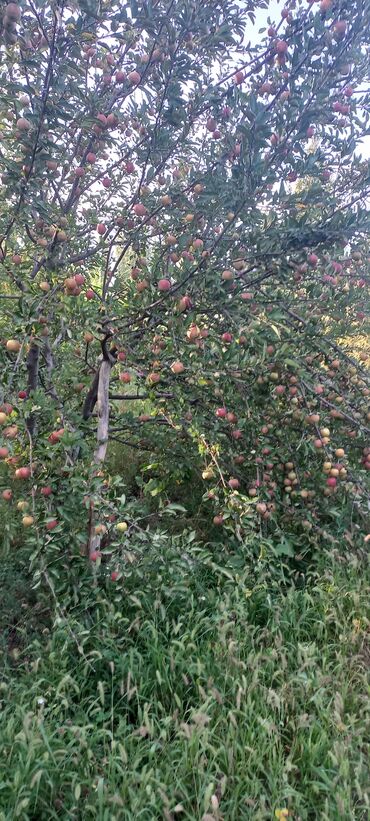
(274, 11)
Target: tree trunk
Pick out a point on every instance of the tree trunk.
(32, 382)
(102, 443)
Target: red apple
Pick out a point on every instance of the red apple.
(154, 378)
(111, 120)
(266, 88)
(70, 284)
(23, 473)
(177, 367)
(281, 47)
(13, 345)
(55, 436)
(140, 210)
(142, 285)
(340, 28)
(164, 285)
(80, 279)
(11, 431)
(211, 124)
(23, 124)
(134, 77)
(184, 303)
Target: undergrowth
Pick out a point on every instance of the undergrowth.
(187, 692)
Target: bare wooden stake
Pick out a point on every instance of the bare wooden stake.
(102, 442)
(33, 378)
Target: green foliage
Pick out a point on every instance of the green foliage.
(184, 271)
(190, 691)
(205, 230)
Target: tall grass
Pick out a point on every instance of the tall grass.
(204, 696)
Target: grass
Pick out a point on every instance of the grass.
(203, 697)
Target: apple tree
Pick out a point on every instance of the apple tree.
(184, 270)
